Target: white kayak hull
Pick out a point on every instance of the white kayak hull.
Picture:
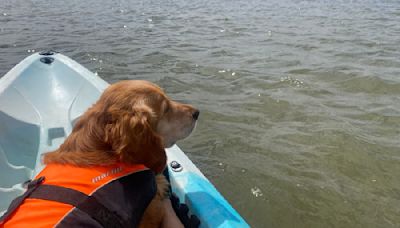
(40, 100)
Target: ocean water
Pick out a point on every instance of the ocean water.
(299, 100)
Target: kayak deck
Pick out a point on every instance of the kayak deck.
(40, 100)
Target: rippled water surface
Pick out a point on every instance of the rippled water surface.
(300, 100)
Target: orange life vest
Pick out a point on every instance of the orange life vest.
(120, 188)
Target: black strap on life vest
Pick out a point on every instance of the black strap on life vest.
(88, 204)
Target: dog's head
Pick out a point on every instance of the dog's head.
(133, 121)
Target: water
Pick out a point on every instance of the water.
(299, 100)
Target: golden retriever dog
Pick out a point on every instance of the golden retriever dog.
(132, 123)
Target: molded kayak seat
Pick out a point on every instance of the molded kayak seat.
(39, 102)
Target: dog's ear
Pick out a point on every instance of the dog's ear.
(130, 134)
(85, 146)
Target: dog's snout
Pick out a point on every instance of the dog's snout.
(196, 114)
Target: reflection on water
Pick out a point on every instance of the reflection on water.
(299, 99)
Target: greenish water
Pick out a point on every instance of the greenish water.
(299, 100)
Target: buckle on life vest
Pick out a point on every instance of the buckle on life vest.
(34, 183)
(32, 186)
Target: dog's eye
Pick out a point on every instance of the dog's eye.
(166, 109)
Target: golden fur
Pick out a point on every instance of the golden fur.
(132, 122)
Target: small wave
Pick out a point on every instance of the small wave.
(371, 85)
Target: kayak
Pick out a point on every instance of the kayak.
(40, 100)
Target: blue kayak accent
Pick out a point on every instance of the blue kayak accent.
(40, 100)
(212, 204)
(195, 190)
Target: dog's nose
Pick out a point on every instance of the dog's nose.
(196, 114)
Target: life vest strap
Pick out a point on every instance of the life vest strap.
(59, 194)
(88, 204)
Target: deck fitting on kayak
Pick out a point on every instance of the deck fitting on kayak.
(47, 60)
(48, 52)
(176, 167)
